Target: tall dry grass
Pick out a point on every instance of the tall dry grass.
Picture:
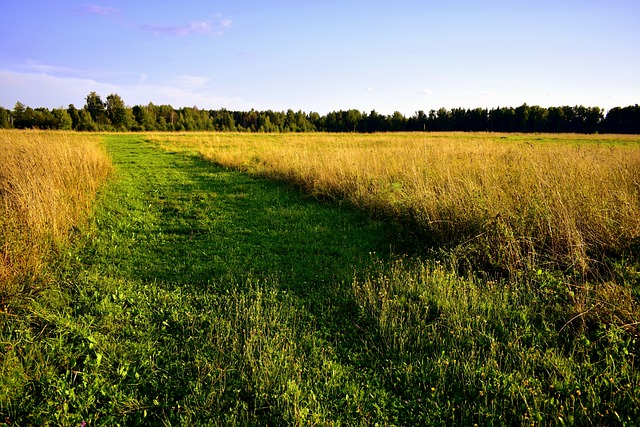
(506, 201)
(47, 183)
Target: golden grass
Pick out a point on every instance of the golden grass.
(47, 183)
(511, 201)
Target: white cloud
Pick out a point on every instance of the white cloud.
(487, 93)
(100, 10)
(48, 68)
(215, 27)
(190, 82)
(42, 90)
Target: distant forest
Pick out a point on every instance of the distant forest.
(113, 115)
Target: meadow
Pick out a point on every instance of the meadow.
(339, 279)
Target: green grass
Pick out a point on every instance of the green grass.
(198, 295)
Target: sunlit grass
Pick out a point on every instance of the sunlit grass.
(496, 353)
(47, 183)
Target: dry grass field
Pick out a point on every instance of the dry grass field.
(47, 183)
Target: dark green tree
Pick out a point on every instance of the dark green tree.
(537, 119)
(75, 116)
(118, 114)
(26, 117)
(62, 119)
(166, 117)
(97, 109)
(351, 119)
(18, 115)
(419, 121)
(44, 119)
(398, 122)
(5, 118)
(250, 121)
(623, 120)
(556, 121)
(277, 118)
(85, 122)
(302, 122)
(290, 124)
(522, 118)
(315, 120)
(145, 117)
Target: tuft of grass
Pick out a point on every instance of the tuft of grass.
(489, 353)
(47, 183)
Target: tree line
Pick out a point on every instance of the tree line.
(113, 114)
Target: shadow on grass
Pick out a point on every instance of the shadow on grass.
(179, 219)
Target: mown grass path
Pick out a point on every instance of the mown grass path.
(199, 295)
(180, 219)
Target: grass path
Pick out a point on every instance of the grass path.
(199, 295)
(182, 220)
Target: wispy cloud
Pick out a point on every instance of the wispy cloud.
(41, 90)
(189, 82)
(100, 10)
(37, 67)
(487, 93)
(53, 70)
(215, 27)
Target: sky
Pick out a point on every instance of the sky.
(321, 55)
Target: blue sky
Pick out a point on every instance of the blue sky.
(322, 55)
